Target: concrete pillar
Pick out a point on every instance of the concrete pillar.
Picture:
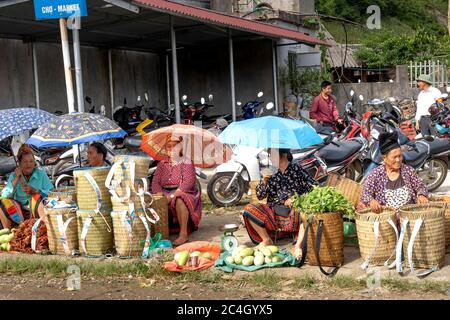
(401, 76)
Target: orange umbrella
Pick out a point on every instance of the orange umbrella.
(200, 146)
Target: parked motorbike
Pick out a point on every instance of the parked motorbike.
(250, 109)
(129, 118)
(351, 121)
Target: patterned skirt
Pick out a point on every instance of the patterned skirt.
(16, 213)
(193, 202)
(265, 217)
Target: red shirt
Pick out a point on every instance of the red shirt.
(324, 111)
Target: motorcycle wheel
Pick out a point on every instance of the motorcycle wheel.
(433, 173)
(217, 193)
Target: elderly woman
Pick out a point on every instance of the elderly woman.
(393, 184)
(21, 199)
(97, 154)
(176, 179)
(277, 215)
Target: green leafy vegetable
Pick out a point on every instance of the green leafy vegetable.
(323, 200)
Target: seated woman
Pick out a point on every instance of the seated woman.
(97, 155)
(21, 199)
(176, 179)
(260, 219)
(393, 184)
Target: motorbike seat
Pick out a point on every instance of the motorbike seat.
(134, 141)
(415, 158)
(438, 146)
(338, 153)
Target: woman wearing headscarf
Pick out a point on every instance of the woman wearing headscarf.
(392, 184)
(21, 199)
(175, 178)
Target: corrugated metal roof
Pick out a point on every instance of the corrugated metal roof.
(226, 20)
(336, 53)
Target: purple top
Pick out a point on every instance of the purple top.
(375, 185)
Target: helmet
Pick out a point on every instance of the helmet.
(434, 109)
(392, 113)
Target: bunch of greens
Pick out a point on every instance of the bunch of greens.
(323, 200)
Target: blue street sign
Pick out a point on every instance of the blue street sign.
(56, 9)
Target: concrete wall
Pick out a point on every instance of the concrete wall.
(133, 74)
(206, 70)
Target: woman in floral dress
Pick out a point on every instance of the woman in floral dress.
(264, 221)
(176, 179)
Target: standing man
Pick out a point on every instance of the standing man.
(324, 109)
(427, 96)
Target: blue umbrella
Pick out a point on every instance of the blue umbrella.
(74, 129)
(271, 132)
(17, 120)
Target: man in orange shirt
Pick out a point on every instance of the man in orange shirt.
(324, 109)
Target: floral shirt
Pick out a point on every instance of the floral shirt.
(375, 185)
(282, 186)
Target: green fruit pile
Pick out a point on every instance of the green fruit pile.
(184, 258)
(5, 238)
(257, 256)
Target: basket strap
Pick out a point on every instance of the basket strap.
(94, 185)
(58, 180)
(113, 184)
(128, 221)
(304, 245)
(84, 232)
(132, 174)
(143, 191)
(376, 231)
(62, 227)
(317, 251)
(398, 256)
(417, 225)
(146, 251)
(111, 173)
(386, 263)
(34, 230)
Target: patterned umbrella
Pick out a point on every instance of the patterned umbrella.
(199, 145)
(74, 129)
(17, 120)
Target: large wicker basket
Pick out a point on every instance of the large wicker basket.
(446, 201)
(381, 251)
(161, 206)
(332, 244)
(125, 246)
(349, 188)
(100, 238)
(123, 171)
(86, 195)
(63, 193)
(429, 245)
(55, 243)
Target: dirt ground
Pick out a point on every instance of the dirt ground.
(278, 283)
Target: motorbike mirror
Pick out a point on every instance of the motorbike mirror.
(239, 103)
(88, 99)
(210, 97)
(352, 93)
(139, 99)
(361, 97)
(202, 100)
(260, 94)
(184, 98)
(270, 106)
(146, 97)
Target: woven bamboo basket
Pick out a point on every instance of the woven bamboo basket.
(86, 196)
(100, 237)
(123, 171)
(387, 238)
(446, 201)
(254, 199)
(122, 242)
(64, 193)
(134, 198)
(161, 206)
(429, 246)
(54, 238)
(332, 244)
(349, 188)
